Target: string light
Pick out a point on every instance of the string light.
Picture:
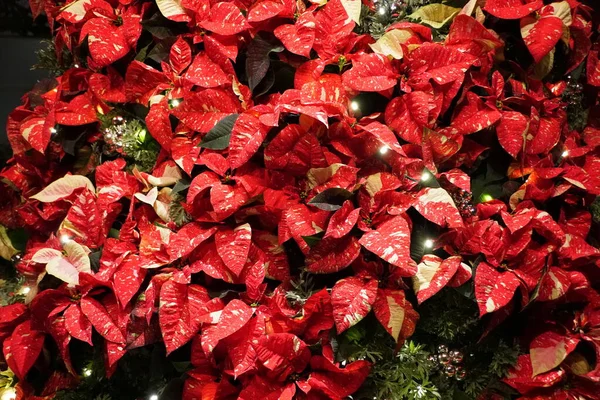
(153, 397)
(87, 372)
(426, 176)
(565, 154)
(486, 197)
(25, 290)
(76, 65)
(64, 239)
(354, 105)
(53, 131)
(382, 11)
(8, 394)
(384, 149)
(428, 244)
(175, 103)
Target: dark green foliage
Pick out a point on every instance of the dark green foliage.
(48, 60)
(595, 210)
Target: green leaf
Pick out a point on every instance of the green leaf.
(218, 137)
(258, 61)
(330, 199)
(313, 239)
(160, 52)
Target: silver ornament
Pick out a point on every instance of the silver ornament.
(442, 348)
(450, 370)
(444, 358)
(460, 374)
(456, 357)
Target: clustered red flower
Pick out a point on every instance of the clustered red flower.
(303, 169)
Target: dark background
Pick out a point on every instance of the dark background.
(20, 37)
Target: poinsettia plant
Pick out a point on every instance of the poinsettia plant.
(256, 188)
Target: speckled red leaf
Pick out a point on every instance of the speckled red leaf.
(550, 349)
(241, 345)
(408, 114)
(11, 314)
(546, 136)
(512, 9)
(493, 289)
(159, 125)
(79, 111)
(178, 312)
(437, 205)
(521, 377)
(234, 316)
(264, 10)
(142, 81)
(336, 382)
(332, 255)
(188, 238)
(284, 353)
(267, 389)
(463, 274)
(474, 115)
(233, 246)
(300, 37)
(333, 29)
(440, 63)
(202, 110)
(128, 279)
(511, 130)
(342, 221)
(298, 222)
(352, 299)
(185, 153)
(106, 41)
(109, 87)
(276, 265)
(433, 274)
(101, 320)
(541, 35)
(370, 73)
(391, 242)
(593, 68)
(575, 247)
(395, 313)
(84, 221)
(77, 324)
(247, 135)
(23, 348)
(206, 73)
(180, 55)
(36, 132)
(225, 19)
(384, 136)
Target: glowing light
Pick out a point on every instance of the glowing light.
(428, 244)
(343, 363)
(175, 103)
(382, 11)
(486, 197)
(384, 149)
(565, 154)
(8, 394)
(87, 372)
(153, 397)
(354, 105)
(76, 65)
(53, 131)
(25, 290)
(64, 239)
(426, 176)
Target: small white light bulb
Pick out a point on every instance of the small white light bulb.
(384, 149)
(76, 65)
(565, 154)
(428, 244)
(426, 176)
(87, 372)
(354, 105)
(382, 11)
(53, 130)
(25, 290)
(8, 394)
(64, 239)
(175, 103)
(153, 397)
